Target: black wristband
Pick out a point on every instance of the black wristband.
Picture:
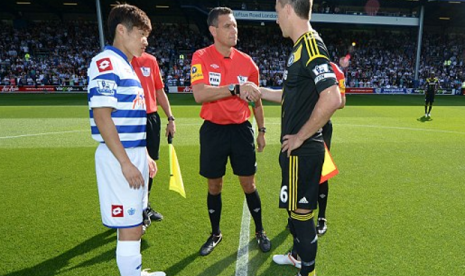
(237, 89)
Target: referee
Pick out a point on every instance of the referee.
(219, 74)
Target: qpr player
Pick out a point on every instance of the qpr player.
(118, 122)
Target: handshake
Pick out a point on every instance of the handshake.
(249, 92)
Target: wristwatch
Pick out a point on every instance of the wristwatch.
(170, 118)
(235, 89)
(232, 89)
(262, 129)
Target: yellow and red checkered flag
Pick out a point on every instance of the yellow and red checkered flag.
(176, 183)
(329, 167)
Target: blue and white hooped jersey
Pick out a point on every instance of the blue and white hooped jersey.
(113, 83)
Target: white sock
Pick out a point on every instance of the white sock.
(128, 258)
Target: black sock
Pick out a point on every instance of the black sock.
(426, 108)
(323, 190)
(255, 208)
(150, 186)
(214, 211)
(306, 241)
(430, 107)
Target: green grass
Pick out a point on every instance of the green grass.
(396, 208)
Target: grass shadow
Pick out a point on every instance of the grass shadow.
(424, 119)
(54, 265)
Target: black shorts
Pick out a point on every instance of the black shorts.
(429, 98)
(328, 133)
(153, 135)
(218, 142)
(300, 181)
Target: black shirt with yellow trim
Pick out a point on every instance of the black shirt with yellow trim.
(308, 73)
(432, 84)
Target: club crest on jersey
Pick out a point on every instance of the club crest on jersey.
(117, 211)
(131, 211)
(214, 78)
(290, 61)
(106, 87)
(295, 56)
(104, 64)
(196, 72)
(145, 71)
(242, 79)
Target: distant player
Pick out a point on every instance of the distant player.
(147, 70)
(118, 121)
(323, 191)
(431, 88)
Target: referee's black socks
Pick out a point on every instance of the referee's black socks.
(255, 208)
(214, 211)
(305, 241)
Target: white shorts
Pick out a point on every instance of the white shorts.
(120, 205)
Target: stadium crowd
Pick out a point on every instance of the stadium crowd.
(57, 53)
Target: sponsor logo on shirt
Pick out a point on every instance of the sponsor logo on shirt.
(106, 87)
(104, 64)
(196, 72)
(321, 69)
(215, 66)
(139, 101)
(322, 72)
(242, 79)
(214, 78)
(145, 71)
(117, 211)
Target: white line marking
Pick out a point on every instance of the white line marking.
(243, 251)
(405, 128)
(41, 134)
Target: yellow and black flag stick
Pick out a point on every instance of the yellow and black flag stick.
(176, 183)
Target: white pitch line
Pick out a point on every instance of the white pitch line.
(404, 128)
(41, 134)
(243, 251)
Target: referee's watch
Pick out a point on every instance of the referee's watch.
(262, 129)
(170, 118)
(232, 89)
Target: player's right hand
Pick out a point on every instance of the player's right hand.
(133, 176)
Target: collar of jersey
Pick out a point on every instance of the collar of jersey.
(233, 50)
(311, 32)
(117, 51)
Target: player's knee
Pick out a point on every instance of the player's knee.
(248, 184)
(215, 186)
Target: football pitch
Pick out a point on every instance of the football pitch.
(396, 207)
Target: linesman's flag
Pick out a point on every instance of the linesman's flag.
(329, 167)
(176, 183)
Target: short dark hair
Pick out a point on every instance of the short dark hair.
(213, 15)
(128, 15)
(301, 7)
